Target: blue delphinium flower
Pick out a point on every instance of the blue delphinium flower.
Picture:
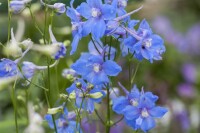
(145, 44)
(61, 52)
(64, 124)
(79, 28)
(139, 109)
(94, 69)
(8, 68)
(96, 13)
(86, 94)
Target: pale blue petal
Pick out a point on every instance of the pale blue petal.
(111, 68)
(98, 28)
(108, 12)
(148, 123)
(157, 112)
(119, 104)
(131, 112)
(85, 10)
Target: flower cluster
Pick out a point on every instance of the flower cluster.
(139, 109)
(92, 74)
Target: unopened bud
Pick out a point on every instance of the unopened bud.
(54, 110)
(95, 95)
(72, 95)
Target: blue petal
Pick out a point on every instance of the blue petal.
(71, 88)
(90, 106)
(49, 119)
(119, 104)
(144, 25)
(79, 66)
(72, 14)
(75, 43)
(148, 123)
(132, 123)
(87, 27)
(157, 112)
(131, 112)
(95, 3)
(85, 10)
(157, 42)
(111, 68)
(108, 12)
(97, 78)
(98, 28)
(151, 96)
(147, 54)
(96, 59)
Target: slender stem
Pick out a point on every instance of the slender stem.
(35, 23)
(95, 45)
(135, 72)
(102, 121)
(118, 121)
(110, 47)
(15, 106)
(129, 70)
(26, 91)
(9, 20)
(108, 111)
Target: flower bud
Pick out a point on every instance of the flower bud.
(12, 48)
(63, 96)
(53, 111)
(60, 8)
(17, 6)
(78, 85)
(95, 95)
(72, 95)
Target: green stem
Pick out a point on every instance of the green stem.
(9, 21)
(35, 23)
(102, 121)
(135, 72)
(15, 106)
(108, 111)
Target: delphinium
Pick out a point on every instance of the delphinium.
(113, 36)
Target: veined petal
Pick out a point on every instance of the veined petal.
(99, 28)
(119, 104)
(148, 123)
(131, 112)
(108, 12)
(87, 27)
(111, 68)
(90, 106)
(85, 10)
(158, 112)
(75, 43)
(95, 3)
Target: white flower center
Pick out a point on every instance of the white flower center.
(145, 113)
(96, 67)
(74, 27)
(134, 102)
(8, 68)
(122, 3)
(95, 12)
